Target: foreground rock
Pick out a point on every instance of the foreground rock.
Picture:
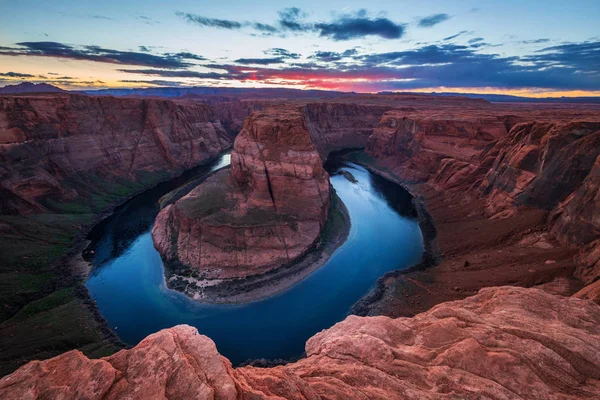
(265, 212)
(504, 343)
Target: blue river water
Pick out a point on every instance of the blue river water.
(128, 283)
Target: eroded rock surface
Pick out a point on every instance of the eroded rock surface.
(504, 343)
(266, 211)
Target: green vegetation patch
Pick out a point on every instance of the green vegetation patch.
(56, 326)
(55, 299)
(209, 198)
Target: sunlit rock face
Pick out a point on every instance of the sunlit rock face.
(504, 343)
(59, 147)
(266, 211)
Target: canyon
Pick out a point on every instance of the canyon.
(507, 195)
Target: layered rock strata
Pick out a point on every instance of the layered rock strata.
(527, 196)
(265, 212)
(504, 343)
(56, 147)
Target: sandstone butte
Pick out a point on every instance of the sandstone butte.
(503, 343)
(264, 212)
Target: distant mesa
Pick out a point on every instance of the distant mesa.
(28, 87)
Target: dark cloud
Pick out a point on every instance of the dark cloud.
(260, 61)
(98, 54)
(157, 82)
(186, 56)
(177, 73)
(433, 20)
(571, 66)
(584, 56)
(264, 28)
(359, 26)
(292, 20)
(563, 67)
(476, 40)
(279, 52)
(455, 36)
(16, 75)
(328, 56)
(535, 41)
(210, 22)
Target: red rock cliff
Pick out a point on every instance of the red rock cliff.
(264, 212)
(504, 343)
(52, 146)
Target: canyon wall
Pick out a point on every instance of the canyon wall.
(480, 166)
(504, 343)
(337, 126)
(58, 147)
(266, 211)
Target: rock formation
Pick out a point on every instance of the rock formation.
(518, 183)
(57, 146)
(504, 343)
(336, 126)
(265, 212)
(419, 142)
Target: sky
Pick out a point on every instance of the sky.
(530, 48)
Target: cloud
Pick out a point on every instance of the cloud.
(293, 20)
(433, 20)
(455, 36)
(583, 56)
(264, 28)
(210, 22)
(157, 82)
(535, 41)
(147, 20)
(16, 75)
(567, 66)
(328, 56)
(186, 56)
(99, 54)
(279, 52)
(359, 26)
(260, 61)
(290, 19)
(177, 73)
(476, 40)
